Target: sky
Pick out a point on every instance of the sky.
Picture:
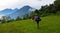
(20, 3)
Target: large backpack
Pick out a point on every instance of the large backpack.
(37, 18)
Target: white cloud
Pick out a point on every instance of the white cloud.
(19, 3)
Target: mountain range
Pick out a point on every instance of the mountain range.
(14, 13)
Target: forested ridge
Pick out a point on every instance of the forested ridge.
(49, 9)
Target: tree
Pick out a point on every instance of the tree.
(27, 16)
(37, 11)
(18, 18)
(3, 19)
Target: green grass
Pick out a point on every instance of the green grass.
(49, 24)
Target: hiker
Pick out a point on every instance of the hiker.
(37, 19)
(33, 18)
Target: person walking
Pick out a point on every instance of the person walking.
(37, 19)
(33, 18)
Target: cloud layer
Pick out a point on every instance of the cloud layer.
(20, 3)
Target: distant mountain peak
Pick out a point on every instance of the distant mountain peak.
(27, 6)
(16, 9)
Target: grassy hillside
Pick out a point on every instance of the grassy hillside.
(49, 24)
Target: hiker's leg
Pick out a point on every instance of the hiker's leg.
(38, 24)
